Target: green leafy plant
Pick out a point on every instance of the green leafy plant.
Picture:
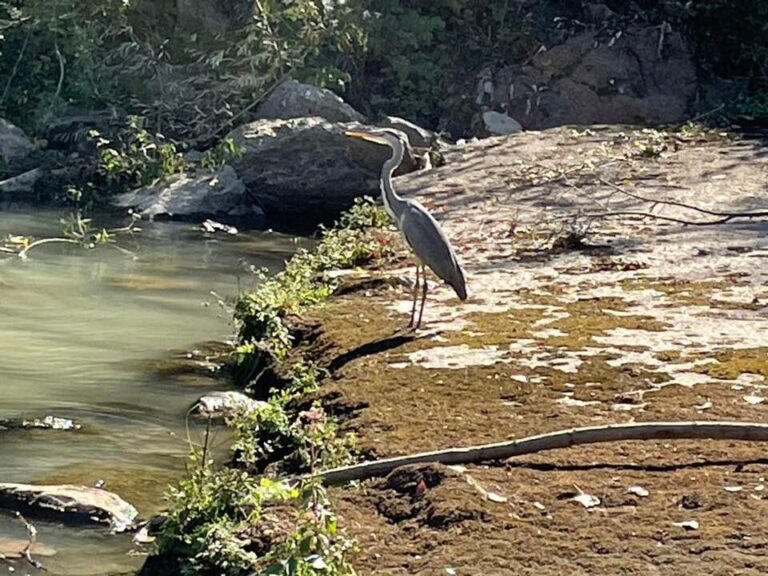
(136, 157)
(260, 315)
(221, 154)
(298, 442)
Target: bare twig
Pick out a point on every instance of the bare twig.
(23, 253)
(698, 430)
(32, 535)
(205, 442)
(244, 111)
(641, 214)
(723, 216)
(61, 71)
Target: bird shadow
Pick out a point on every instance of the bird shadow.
(369, 348)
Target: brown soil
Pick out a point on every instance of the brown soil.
(550, 341)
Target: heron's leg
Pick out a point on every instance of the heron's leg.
(415, 297)
(423, 295)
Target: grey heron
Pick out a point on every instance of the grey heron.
(420, 230)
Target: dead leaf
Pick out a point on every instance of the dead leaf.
(752, 399)
(733, 488)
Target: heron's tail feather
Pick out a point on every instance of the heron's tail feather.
(459, 285)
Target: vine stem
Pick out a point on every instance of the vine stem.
(696, 430)
(23, 253)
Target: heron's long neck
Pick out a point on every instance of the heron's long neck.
(393, 203)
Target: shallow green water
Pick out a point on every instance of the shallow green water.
(80, 333)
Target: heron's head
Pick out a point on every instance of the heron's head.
(383, 136)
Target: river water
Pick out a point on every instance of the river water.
(82, 333)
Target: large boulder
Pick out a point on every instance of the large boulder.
(418, 137)
(70, 504)
(637, 76)
(194, 197)
(292, 99)
(15, 147)
(303, 171)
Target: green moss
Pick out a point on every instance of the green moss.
(733, 363)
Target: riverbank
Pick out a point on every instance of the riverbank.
(636, 320)
(582, 311)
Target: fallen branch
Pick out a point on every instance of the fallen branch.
(23, 253)
(723, 217)
(639, 214)
(700, 430)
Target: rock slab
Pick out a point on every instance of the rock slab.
(14, 147)
(226, 404)
(75, 505)
(292, 99)
(190, 197)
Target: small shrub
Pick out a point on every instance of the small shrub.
(221, 154)
(136, 157)
(298, 441)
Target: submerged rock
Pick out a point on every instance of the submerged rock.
(304, 171)
(292, 99)
(46, 423)
(225, 404)
(15, 549)
(186, 197)
(69, 504)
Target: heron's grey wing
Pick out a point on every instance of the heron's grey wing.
(427, 240)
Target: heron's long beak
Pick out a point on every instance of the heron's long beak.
(366, 136)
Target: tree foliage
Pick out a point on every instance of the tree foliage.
(416, 59)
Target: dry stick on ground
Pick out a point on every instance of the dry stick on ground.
(723, 217)
(700, 430)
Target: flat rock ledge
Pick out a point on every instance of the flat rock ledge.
(73, 505)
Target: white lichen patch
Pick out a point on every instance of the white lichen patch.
(568, 400)
(454, 357)
(548, 333)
